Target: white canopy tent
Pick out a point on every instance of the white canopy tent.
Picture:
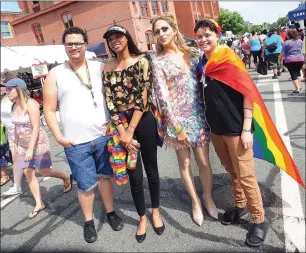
(11, 60)
(23, 57)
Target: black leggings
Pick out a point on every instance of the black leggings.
(145, 134)
(255, 55)
(294, 69)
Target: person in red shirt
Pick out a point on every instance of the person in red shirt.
(283, 34)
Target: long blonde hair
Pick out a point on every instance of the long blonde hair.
(179, 38)
(24, 96)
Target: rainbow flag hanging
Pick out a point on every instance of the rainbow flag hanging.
(225, 66)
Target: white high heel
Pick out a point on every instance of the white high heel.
(198, 219)
(212, 212)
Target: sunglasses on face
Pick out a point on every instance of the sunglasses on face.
(76, 44)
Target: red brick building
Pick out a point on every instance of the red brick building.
(7, 32)
(189, 12)
(46, 20)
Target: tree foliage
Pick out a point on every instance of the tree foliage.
(281, 21)
(231, 21)
(256, 28)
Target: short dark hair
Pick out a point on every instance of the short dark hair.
(75, 30)
(264, 31)
(206, 23)
(272, 30)
(253, 33)
(292, 34)
(133, 49)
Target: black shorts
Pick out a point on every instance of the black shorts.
(294, 69)
(273, 60)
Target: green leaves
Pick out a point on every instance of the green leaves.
(232, 21)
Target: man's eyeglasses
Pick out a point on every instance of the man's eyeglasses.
(76, 44)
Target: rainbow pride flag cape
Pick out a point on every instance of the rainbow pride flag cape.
(225, 66)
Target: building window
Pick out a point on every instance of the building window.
(165, 6)
(38, 33)
(67, 19)
(6, 30)
(36, 6)
(155, 10)
(149, 40)
(144, 10)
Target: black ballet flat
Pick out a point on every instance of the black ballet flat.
(140, 238)
(159, 230)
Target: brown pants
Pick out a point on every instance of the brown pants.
(239, 163)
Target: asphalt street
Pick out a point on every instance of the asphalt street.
(60, 226)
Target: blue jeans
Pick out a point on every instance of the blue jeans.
(88, 161)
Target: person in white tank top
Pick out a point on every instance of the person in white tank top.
(77, 86)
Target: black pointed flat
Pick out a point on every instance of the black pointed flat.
(140, 238)
(159, 230)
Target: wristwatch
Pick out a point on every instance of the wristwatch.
(247, 130)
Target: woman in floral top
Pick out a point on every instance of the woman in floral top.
(182, 107)
(128, 89)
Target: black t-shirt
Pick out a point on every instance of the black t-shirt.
(224, 108)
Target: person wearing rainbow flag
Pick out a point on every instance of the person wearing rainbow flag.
(241, 127)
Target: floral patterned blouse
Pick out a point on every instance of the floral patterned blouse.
(125, 86)
(180, 100)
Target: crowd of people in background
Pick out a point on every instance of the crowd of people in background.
(106, 109)
(279, 48)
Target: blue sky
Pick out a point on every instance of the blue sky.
(259, 12)
(254, 11)
(9, 6)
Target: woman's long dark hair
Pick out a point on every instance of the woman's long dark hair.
(133, 49)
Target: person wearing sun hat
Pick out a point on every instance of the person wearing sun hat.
(32, 146)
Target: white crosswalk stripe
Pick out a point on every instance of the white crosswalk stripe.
(294, 222)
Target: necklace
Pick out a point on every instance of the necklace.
(88, 85)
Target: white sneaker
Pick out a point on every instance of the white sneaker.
(12, 191)
(46, 179)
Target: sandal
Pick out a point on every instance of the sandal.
(33, 214)
(68, 188)
(4, 180)
(257, 234)
(233, 215)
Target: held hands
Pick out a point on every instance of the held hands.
(65, 142)
(126, 139)
(29, 155)
(247, 140)
(133, 146)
